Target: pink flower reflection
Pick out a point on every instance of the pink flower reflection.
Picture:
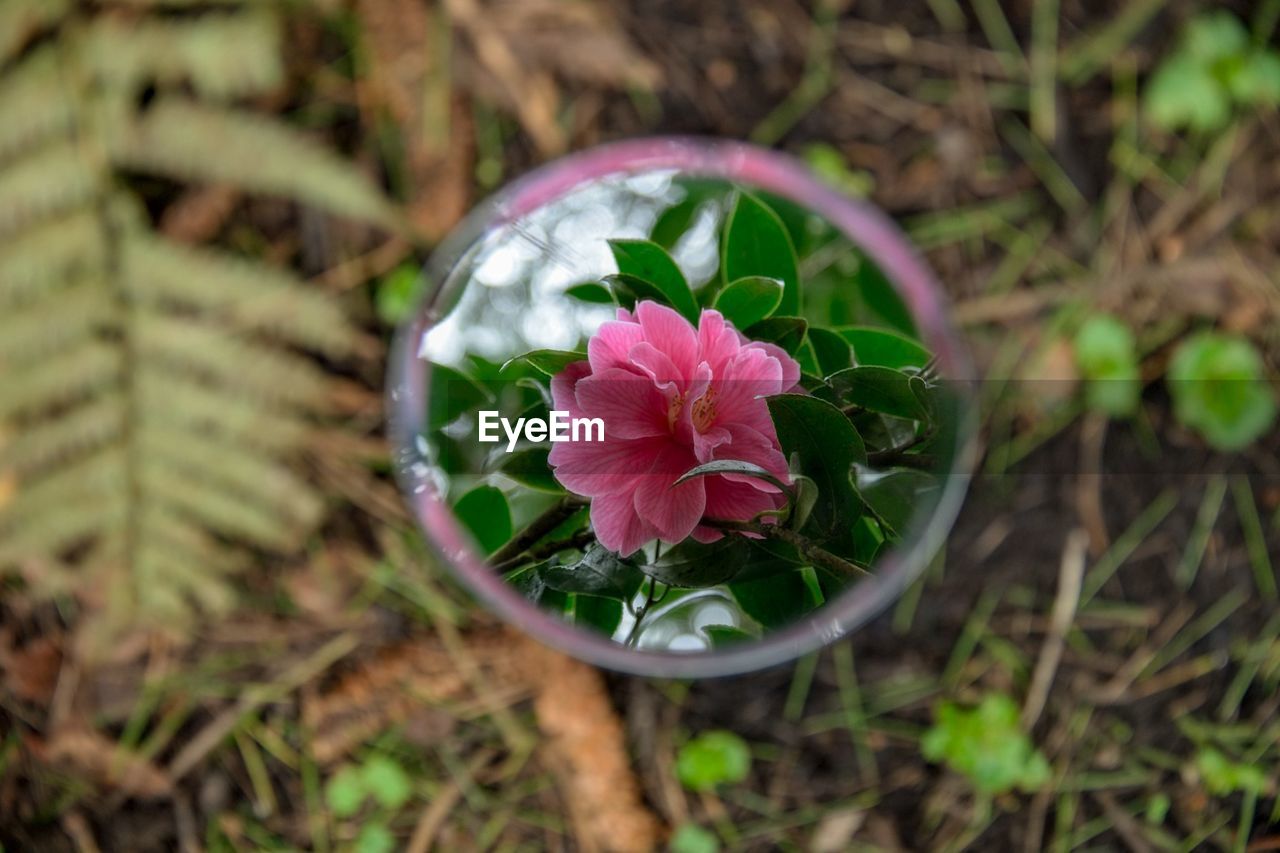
(671, 397)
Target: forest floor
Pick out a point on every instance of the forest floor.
(1006, 139)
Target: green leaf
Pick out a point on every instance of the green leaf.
(711, 759)
(830, 165)
(387, 781)
(548, 361)
(650, 262)
(530, 468)
(883, 348)
(894, 495)
(601, 614)
(451, 394)
(988, 745)
(747, 301)
(483, 511)
(1224, 777)
(1107, 355)
(880, 389)
(375, 838)
(397, 294)
(1219, 389)
(591, 291)
(600, 572)
(881, 299)
(344, 793)
(832, 351)
(786, 332)
(726, 635)
(695, 565)
(826, 446)
(776, 601)
(691, 838)
(1255, 80)
(1215, 36)
(1183, 93)
(676, 220)
(756, 243)
(732, 466)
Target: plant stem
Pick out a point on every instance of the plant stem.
(812, 551)
(541, 552)
(536, 529)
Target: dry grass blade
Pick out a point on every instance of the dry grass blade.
(1070, 577)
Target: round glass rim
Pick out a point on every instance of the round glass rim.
(740, 163)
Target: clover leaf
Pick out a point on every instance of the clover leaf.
(987, 745)
(1107, 356)
(1219, 389)
(713, 758)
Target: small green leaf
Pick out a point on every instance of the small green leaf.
(747, 301)
(726, 635)
(776, 601)
(602, 614)
(591, 291)
(451, 394)
(1184, 93)
(649, 262)
(1219, 389)
(732, 466)
(696, 565)
(988, 745)
(894, 495)
(345, 791)
(826, 446)
(1255, 80)
(387, 781)
(691, 838)
(831, 350)
(483, 511)
(756, 243)
(397, 294)
(711, 759)
(530, 468)
(375, 838)
(786, 332)
(1215, 36)
(881, 299)
(1224, 777)
(830, 165)
(600, 572)
(1107, 355)
(880, 389)
(883, 348)
(547, 361)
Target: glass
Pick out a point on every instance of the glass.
(510, 279)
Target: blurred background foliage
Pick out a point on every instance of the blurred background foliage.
(206, 207)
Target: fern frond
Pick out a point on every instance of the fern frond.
(201, 409)
(95, 423)
(222, 56)
(59, 527)
(42, 328)
(33, 101)
(60, 379)
(21, 19)
(96, 481)
(252, 298)
(212, 508)
(256, 371)
(188, 141)
(257, 479)
(48, 254)
(52, 180)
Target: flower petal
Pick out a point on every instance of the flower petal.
(629, 403)
(673, 510)
(614, 519)
(671, 334)
(611, 343)
(607, 467)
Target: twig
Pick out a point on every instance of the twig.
(539, 527)
(1070, 578)
(579, 540)
(812, 551)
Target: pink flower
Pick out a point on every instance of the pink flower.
(671, 397)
